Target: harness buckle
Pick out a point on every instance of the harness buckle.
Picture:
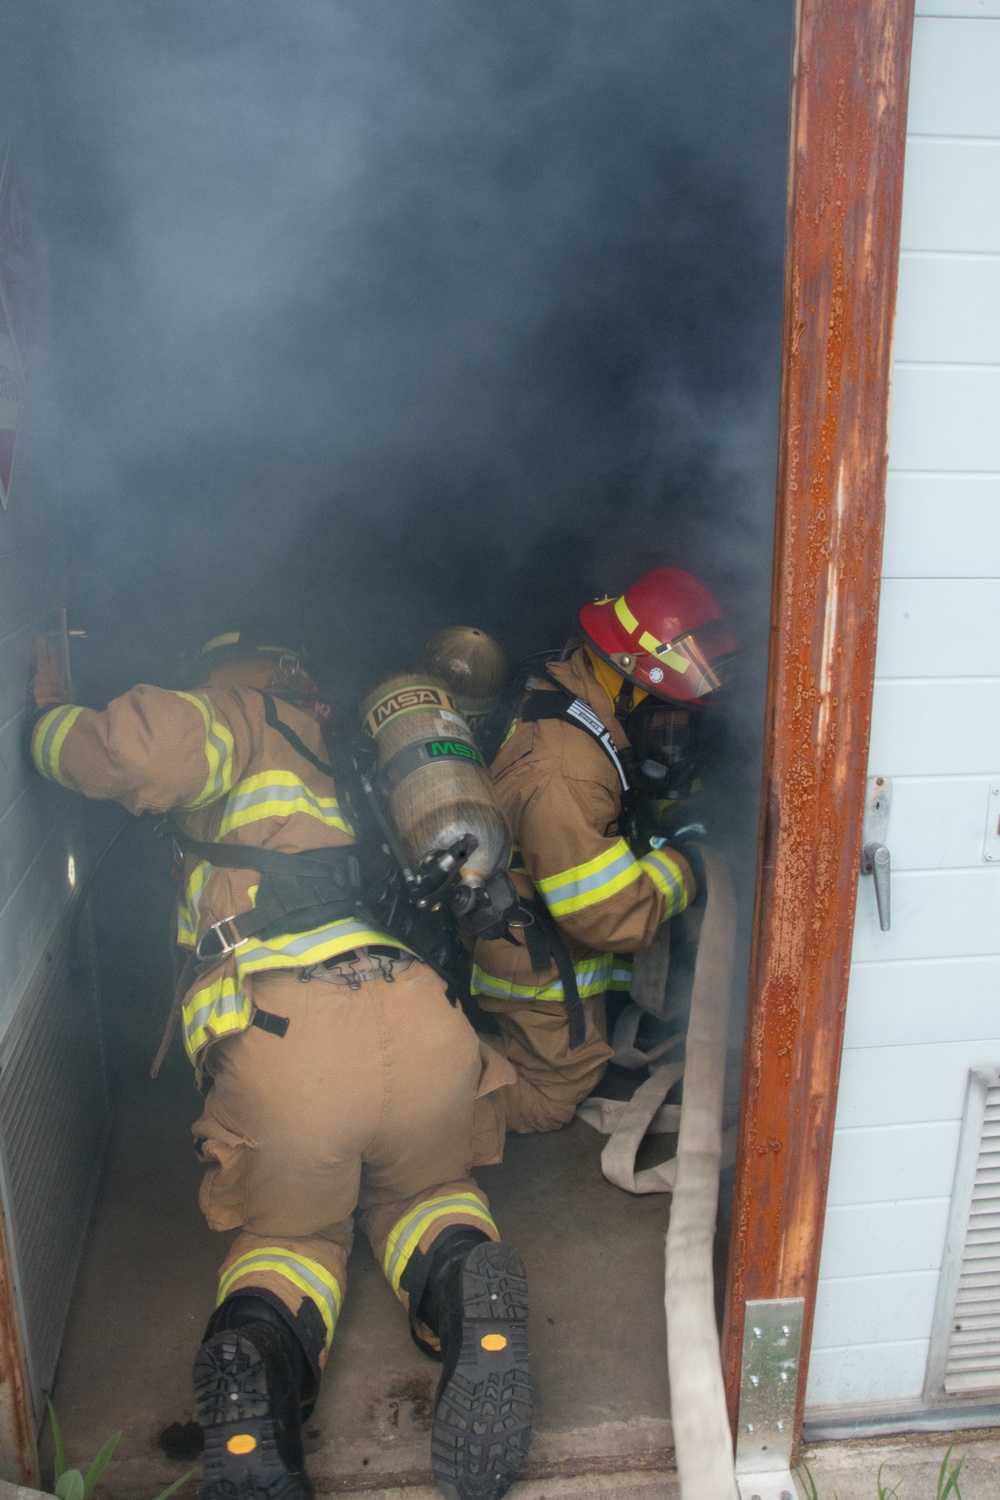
(221, 939)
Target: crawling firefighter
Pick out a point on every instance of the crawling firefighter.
(341, 1078)
(631, 703)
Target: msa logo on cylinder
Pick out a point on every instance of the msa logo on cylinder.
(403, 701)
(436, 749)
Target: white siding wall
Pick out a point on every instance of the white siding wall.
(924, 1003)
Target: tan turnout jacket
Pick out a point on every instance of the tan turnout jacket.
(210, 758)
(562, 799)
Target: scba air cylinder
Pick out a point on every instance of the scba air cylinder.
(434, 778)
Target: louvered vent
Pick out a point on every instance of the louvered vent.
(53, 1123)
(965, 1346)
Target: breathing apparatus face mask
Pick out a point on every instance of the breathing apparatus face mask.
(668, 741)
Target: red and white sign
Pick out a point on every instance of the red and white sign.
(19, 292)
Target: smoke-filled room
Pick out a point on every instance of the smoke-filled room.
(448, 486)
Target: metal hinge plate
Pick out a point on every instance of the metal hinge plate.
(772, 1339)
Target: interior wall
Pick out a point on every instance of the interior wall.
(922, 1001)
(53, 1102)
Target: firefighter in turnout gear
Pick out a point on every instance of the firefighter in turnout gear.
(341, 1078)
(629, 702)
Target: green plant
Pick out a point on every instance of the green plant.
(948, 1476)
(947, 1481)
(808, 1482)
(72, 1484)
(883, 1493)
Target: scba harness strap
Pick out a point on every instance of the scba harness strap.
(314, 887)
(540, 704)
(297, 891)
(542, 937)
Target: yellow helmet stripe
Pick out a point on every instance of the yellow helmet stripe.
(626, 616)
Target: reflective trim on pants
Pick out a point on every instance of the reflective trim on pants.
(311, 1279)
(408, 1231)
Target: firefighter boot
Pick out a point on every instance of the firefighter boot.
(255, 1372)
(476, 1302)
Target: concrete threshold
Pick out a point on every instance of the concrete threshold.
(910, 1465)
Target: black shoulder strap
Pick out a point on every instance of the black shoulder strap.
(545, 945)
(540, 704)
(288, 733)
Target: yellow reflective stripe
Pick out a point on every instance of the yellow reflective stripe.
(303, 948)
(187, 910)
(278, 794)
(218, 751)
(666, 875)
(47, 740)
(593, 977)
(587, 884)
(408, 1231)
(312, 1279)
(217, 1009)
(624, 614)
(223, 1007)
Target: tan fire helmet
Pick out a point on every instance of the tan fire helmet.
(473, 667)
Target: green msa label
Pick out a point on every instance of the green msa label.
(441, 749)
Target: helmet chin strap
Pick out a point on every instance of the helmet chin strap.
(623, 703)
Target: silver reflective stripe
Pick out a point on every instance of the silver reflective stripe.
(296, 947)
(580, 886)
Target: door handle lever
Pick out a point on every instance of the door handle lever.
(874, 853)
(876, 862)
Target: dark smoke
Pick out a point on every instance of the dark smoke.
(372, 316)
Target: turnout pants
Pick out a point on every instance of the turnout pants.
(366, 1103)
(552, 1077)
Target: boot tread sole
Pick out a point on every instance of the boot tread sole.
(482, 1427)
(227, 1367)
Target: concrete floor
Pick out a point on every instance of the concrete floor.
(595, 1263)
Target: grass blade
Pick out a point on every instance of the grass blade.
(99, 1465)
(948, 1473)
(57, 1440)
(804, 1472)
(883, 1492)
(175, 1486)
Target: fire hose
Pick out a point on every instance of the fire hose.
(702, 1439)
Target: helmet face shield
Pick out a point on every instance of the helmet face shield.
(689, 668)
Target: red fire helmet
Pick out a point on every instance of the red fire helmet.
(666, 634)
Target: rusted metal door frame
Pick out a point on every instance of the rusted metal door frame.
(18, 1451)
(848, 126)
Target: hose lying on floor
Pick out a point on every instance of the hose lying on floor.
(702, 1438)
